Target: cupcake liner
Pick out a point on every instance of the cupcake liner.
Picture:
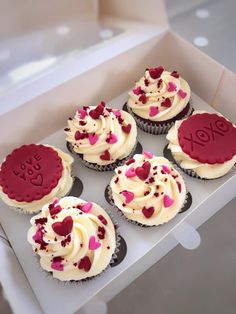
(167, 154)
(110, 167)
(160, 127)
(116, 258)
(108, 196)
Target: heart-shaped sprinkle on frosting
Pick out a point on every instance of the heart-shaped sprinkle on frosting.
(126, 128)
(80, 136)
(155, 73)
(166, 103)
(175, 74)
(148, 154)
(171, 87)
(143, 172)
(117, 113)
(105, 156)
(166, 169)
(64, 227)
(153, 111)
(130, 172)
(129, 196)
(87, 207)
(182, 94)
(98, 111)
(112, 138)
(85, 264)
(57, 263)
(143, 98)
(55, 210)
(168, 201)
(93, 244)
(148, 212)
(102, 219)
(179, 186)
(93, 138)
(138, 91)
(82, 113)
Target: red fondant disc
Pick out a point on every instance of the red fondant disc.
(208, 138)
(30, 172)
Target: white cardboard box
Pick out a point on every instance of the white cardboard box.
(110, 76)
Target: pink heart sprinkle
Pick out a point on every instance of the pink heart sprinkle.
(147, 154)
(112, 139)
(153, 111)
(38, 236)
(93, 138)
(171, 87)
(57, 265)
(138, 90)
(168, 201)
(166, 169)
(129, 196)
(117, 113)
(130, 173)
(182, 94)
(93, 244)
(82, 113)
(87, 207)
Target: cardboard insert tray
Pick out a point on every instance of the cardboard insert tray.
(141, 242)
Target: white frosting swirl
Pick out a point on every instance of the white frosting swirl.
(63, 187)
(156, 94)
(63, 255)
(108, 124)
(161, 194)
(203, 170)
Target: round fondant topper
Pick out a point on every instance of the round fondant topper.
(30, 172)
(208, 138)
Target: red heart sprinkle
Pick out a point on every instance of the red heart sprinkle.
(159, 83)
(95, 113)
(143, 98)
(155, 73)
(148, 212)
(55, 210)
(175, 74)
(105, 156)
(85, 264)
(102, 219)
(101, 233)
(80, 136)
(63, 227)
(126, 128)
(179, 187)
(143, 172)
(166, 103)
(130, 161)
(41, 221)
(146, 82)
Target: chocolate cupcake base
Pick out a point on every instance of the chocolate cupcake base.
(158, 128)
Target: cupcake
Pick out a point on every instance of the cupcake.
(203, 145)
(73, 239)
(158, 99)
(147, 190)
(103, 138)
(33, 175)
